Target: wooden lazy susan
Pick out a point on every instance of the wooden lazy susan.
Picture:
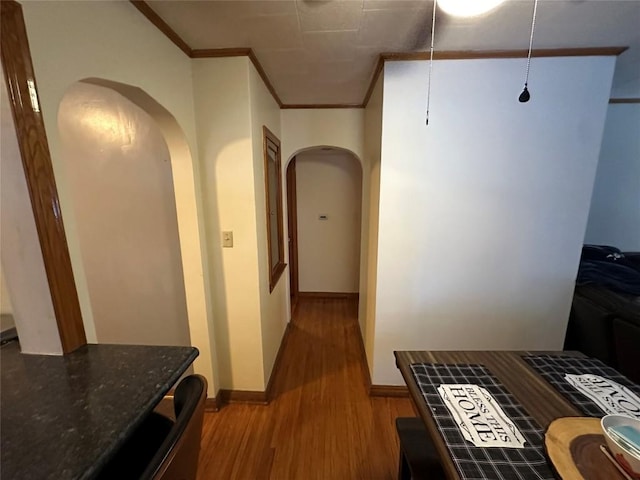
(573, 446)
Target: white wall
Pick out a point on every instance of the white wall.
(370, 218)
(483, 212)
(274, 306)
(316, 127)
(614, 218)
(71, 41)
(22, 261)
(119, 171)
(328, 183)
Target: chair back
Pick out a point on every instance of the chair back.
(177, 456)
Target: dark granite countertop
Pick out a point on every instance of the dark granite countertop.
(63, 417)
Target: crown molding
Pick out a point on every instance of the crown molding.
(374, 78)
(219, 52)
(487, 54)
(482, 54)
(302, 106)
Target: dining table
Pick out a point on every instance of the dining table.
(512, 371)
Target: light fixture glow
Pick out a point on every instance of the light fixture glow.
(468, 8)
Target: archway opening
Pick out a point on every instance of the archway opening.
(119, 173)
(324, 209)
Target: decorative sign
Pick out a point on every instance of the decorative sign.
(479, 417)
(610, 396)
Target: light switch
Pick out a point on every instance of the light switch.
(227, 239)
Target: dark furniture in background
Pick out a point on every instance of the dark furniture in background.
(418, 457)
(605, 315)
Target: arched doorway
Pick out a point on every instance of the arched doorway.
(324, 209)
(120, 178)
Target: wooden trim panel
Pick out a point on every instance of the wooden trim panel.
(364, 362)
(220, 52)
(277, 363)
(388, 391)
(481, 54)
(144, 8)
(354, 295)
(243, 396)
(320, 105)
(213, 404)
(36, 161)
(374, 78)
(624, 100)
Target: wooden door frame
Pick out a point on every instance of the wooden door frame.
(292, 223)
(38, 170)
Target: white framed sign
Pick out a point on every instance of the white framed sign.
(610, 396)
(479, 417)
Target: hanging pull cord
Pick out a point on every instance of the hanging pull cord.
(433, 31)
(525, 96)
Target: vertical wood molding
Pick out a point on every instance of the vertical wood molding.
(277, 364)
(36, 161)
(374, 78)
(292, 221)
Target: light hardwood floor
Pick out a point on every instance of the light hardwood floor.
(321, 423)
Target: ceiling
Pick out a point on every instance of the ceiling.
(325, 51)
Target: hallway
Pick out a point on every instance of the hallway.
(321, 423)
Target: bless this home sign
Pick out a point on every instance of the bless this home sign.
(479, 417)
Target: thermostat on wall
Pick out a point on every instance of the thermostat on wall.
(322, 216)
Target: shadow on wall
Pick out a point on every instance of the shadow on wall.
(119, 146)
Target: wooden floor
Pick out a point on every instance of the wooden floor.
(321, 423)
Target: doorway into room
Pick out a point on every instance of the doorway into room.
(324, 212)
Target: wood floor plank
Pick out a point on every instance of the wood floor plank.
(321, 423)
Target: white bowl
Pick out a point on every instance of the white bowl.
(625, 458)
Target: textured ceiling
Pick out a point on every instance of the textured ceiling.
(324, 51)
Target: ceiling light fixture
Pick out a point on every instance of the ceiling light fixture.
(468, 8)
(525, 96)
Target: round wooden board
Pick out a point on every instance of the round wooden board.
(573, 446)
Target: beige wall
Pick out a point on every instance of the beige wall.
(317, 127)
(71, 41)
(223, 116)
(328, 183)
(274, 306)
(119, 173)
(5, 301)
(22, 261)
(233, 105)
(370, 216)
